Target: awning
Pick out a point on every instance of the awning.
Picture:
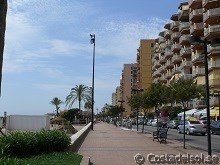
(214, 112)
(202, 112)
(189, 112)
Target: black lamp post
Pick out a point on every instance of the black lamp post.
(93, 76)
(197, 40)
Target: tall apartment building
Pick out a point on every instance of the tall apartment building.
(197, 29)
(211, 19)
(178, 58)
(127, 83)
(144, 53)
(116, 96)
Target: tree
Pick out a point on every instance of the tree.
(79, 93)
(3, 13)
(156, 95)
(186, 90)
(88, 103)
(70, 114)
(56, 102)
(135, 101)
(114, 111)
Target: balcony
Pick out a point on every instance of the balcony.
(198, 72)
(186, 76)
(163, 78)
(169, 64)
(185, 52)
(161, 40)
(162, 60)
(198, 59)
(196, 15)
(183, 15)
(176, 70)
(157, 64)
(167, 26)
(169, 43)
(197, 29)
(214, 83)
(175, 26)
(156, 56)
(163, 69)
(213, 51)
(168, 53)
(175, 36)
(211, 16)
(184, 40)
(195, 3)
(214, 64)
(186, 64)
(184, 27)
(176, 58)
(208, 4)
(157, 73)
(168, 75)
(211, 32)
(167, 34)
(176, 47)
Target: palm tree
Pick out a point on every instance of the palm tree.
(56, 102)
(88, 103)
(79, 93)
(3, 12)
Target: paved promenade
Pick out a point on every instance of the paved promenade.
(110, 145)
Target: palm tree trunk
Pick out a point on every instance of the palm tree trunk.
(3, 12)
(79, 104)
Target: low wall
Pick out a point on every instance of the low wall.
(77, 138)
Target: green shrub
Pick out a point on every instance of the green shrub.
(30, 143)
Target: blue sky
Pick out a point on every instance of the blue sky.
(48, 50)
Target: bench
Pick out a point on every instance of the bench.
(160, 135)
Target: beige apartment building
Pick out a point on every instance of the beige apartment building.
(175, 57)
(128, 82)
(144, 64)
(116, 96)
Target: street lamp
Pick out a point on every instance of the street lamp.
(194, 41)
(92, 41)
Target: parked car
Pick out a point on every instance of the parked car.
(192, 127)
(154, 123)
(215, 127)
(172, 124)
(149, 123)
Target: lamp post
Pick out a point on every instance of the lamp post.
(197, 40)
(92, 41)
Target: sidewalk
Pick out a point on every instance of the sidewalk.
(110, 145)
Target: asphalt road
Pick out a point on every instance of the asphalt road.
(197, 141)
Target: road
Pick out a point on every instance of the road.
(198, 141)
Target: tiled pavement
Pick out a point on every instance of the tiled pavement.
(110, 145)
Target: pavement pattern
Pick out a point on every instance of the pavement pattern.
(111, 145)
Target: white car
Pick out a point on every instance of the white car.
(154, 123)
